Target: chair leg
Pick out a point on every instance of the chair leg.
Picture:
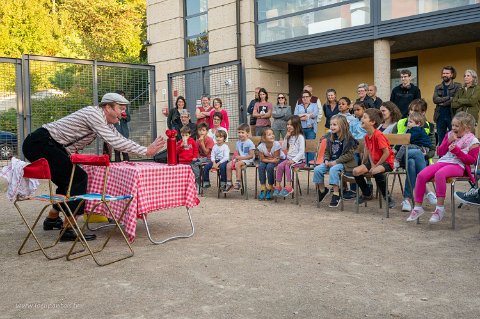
(308, 182)
(256, 182)
(297, 187)
(357, 205)
(244, 183)
(452, 191)
(387, 210)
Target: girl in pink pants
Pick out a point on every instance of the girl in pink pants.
(459, 150)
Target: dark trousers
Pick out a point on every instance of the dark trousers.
(362, 183)
(40, 144)
(223, 171)
(444, 122)
(124, 155)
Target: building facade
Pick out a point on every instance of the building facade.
(284, 44)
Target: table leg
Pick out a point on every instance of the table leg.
(144, 216)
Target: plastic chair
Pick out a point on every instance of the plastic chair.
(40, 169)
(102, 199)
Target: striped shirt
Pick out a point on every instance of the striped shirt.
(79, 129)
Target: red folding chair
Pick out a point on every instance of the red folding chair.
(40, 169)
(102, 199)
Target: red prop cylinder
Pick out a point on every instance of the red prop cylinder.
(171, 148)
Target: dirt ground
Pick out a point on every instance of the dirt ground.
(253, 259)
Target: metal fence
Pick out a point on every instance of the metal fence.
(51, 88)
(223, 81)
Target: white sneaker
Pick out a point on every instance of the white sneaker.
(437, 216)
(396, 165)
(415, 214)
(406, 206)
(432, 199)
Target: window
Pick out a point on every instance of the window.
(397, 65)
(394, 9)
(196, 27)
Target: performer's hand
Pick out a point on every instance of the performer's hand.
(156, 146)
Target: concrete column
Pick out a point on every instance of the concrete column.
(381, 68)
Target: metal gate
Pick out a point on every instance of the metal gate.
(48, 88)
(221, 80)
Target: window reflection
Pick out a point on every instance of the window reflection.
(197, 46)
(196, 6)
(394, 9)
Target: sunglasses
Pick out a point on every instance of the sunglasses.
(280, 97)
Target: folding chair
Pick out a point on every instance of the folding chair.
(103, 199)
(311, 146)
(40, 169)
(397, 139)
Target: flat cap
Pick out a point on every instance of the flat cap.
(114, 98)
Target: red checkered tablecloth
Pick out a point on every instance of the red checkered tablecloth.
(154, 187)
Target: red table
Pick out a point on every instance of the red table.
(153, 186)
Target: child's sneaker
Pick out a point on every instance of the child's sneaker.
(391, 202)
(362, 199)
(268, 195)
(286, 191)
(349, 195)
(437, 216)
(406, 206)
(335, 201)
(321, 195)
(237, 186)
(261, 196)
(432, 199)
(276, 192)
(206, 184)
(415, 214)
(228, 187)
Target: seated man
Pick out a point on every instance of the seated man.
(55, 141)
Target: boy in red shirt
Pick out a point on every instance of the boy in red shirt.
(204, 143)
(187, 152)
(377, 158)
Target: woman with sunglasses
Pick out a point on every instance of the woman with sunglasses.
(281, 113)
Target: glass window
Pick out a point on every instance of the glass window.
(197, 46)
(197, 25)
(319, 21)
(394, 9)
(272, 8)
(397, 65)
(196, 6)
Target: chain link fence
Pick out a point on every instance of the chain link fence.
(223, 81)
(55, 87)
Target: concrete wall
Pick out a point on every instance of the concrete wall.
(346, 75)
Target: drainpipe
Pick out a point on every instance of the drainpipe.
(239, 40)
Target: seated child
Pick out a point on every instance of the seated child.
(244, 155)
(270, 154)
(338, 158)
(204, 142)
(217, 119)
(419, 139)
(187, 152)
(377, 158)
(219, 159)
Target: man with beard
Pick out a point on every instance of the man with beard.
(442, 97)
(403, 94)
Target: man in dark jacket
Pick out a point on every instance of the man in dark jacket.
(405, 93)
(442, 96)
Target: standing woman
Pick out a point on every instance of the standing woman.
(173, 120)
(218, 107)
(308, 113)
(467, 98)
(281, 113)
(391, 115)
(330, 108)
(262, 111)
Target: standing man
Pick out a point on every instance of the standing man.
(372, 93)
(405, 93)
(251, 106)
(122, 128)
(362, 90)
(203, 111)
(442, 97)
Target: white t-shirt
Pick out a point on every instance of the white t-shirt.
(276, 146)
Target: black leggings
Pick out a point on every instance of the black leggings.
(40, 144)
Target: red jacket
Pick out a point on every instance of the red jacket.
(187, 154)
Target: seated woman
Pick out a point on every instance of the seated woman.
(391, 115)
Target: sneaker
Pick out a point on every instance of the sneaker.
(406, 206)
(391, 202)
(437, 216)
(206, 185)
(276, 192)
(285, 192)
(470, 198)
(261, 196)
(362, 199)
(349, 195)
(335, 201)
(228, 187)
(396, 165)
(415, 214)
(432, 199)
(268, 195)
(321, 195)
(237, 186)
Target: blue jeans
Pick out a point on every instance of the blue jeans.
(444, 122)
(266, 171)
(223, 172)
(309, 134)
(416, 163)
(334, 172)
